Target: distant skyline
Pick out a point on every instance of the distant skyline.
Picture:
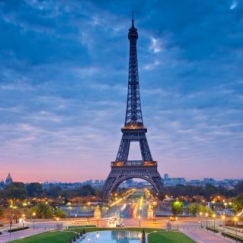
(63, 86)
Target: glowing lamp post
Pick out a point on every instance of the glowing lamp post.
(139, 221)
(206, 215)
(235, 220)
(200, 219)
(223, 217)
(214, 216)
(23, 218)
(33, 217)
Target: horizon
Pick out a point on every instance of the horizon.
(162, 177)
(63, 87)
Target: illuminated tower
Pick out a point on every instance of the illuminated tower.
(133, 131)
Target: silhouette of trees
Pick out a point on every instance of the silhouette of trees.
(16, 190)
(34, 189)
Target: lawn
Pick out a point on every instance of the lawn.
(66, 236)
(169, 237)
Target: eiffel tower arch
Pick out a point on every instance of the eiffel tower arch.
(133, 131)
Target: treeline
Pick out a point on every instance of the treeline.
(207, 192)
(21, 191)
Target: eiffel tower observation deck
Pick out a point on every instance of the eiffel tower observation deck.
(133, 131)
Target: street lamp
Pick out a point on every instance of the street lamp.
(139, 223)
(177, 221)
(214, 216)
(200, 219)
(10, 219)
(97, 219)
(69, 209)
(33, 217)
(206, 215)
(223, 217)
(23, 218)
(235, 220)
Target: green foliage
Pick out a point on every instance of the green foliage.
(208, 210)
(48, 237)
(18, 229)
(238, 203)
(169, 237)
(54, 191)
(239, 188)
(43, 211)
(1, 211)
(206, 192)
(16, 190)
(34, 189)
(210, 190)
(85, 191)
(212, 229)
(233, 236)
(177, 207)
(60, 213)
(195, 208)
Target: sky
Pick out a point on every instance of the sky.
(63, 86)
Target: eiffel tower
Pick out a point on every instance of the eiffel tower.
(133, 131)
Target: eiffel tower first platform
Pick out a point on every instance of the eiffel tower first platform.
(133, 131)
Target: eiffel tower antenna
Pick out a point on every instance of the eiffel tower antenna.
(133, 131)
(132, 19)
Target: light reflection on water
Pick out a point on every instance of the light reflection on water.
(114, 236)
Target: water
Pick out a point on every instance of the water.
(114, 236)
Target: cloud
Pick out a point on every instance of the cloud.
(233, 5)
(64, 73)
(156, 45)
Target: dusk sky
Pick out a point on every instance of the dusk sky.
(63, 86)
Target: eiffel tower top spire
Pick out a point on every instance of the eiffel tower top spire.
(132, 19)
(134, 117)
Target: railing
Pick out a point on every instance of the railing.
(134, 163)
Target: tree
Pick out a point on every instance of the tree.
(238, 203)
(210, 190)
(208, 210)
(85, 191)
(34, 189)
(54, 191)
(195, 208)
(177, 207)
(42, 210)
(239, 188)
(1, 211)
(16, 190)
(60, 213)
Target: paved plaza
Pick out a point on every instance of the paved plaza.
(199, 235)
(203, 236)
(7, 237)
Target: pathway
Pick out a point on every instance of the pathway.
(202, 236)
(7, 237)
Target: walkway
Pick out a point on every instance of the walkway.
(7, 237)
(203, 236)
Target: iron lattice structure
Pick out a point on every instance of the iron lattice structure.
(133, 131)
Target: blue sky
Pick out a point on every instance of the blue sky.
(63, 86)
